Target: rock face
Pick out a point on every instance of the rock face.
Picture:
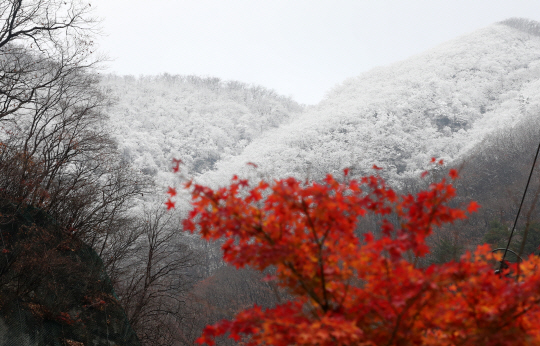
(53, 287)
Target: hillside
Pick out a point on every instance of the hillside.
(54, 289)
(440, 103)
(200, 120)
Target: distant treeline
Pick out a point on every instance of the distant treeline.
(529, 26)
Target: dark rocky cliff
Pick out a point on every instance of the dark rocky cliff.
(53, 288)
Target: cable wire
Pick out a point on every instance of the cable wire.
(519, 210)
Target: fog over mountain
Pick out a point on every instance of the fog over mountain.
(440, 103)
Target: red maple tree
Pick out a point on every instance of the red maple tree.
(352, 291)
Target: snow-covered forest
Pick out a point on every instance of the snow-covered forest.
(440, 103)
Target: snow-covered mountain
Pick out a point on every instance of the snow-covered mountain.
(440, 103)
(198, 120)
(436, 104)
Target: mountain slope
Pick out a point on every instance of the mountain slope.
(200, 120)
(439, 103)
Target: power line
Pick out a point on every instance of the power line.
(519, 210)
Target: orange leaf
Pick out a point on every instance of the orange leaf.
(171, 191)
(473, 207)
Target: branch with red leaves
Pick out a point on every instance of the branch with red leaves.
(351, 291)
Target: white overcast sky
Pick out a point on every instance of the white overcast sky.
(298, 48)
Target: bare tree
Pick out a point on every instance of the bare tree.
(55, 149)
(56, 152)
(41, 42)
(153, 283)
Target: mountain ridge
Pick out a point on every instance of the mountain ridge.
(439, 103)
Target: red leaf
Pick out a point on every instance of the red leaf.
(169, 204)
(172, 191)
(176, 167)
